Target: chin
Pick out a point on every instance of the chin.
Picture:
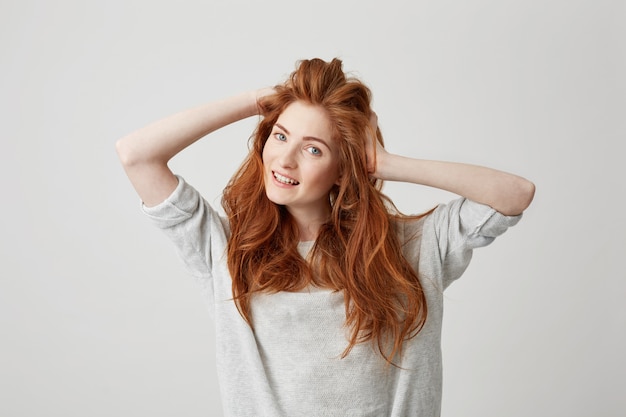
(273, 199)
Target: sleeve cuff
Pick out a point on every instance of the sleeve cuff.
(179, 206)
(488, 221)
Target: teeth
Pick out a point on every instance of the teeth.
(285, 180)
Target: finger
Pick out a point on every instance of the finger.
(374, 120)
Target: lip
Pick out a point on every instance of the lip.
(282, 184)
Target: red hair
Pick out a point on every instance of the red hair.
(357, 250)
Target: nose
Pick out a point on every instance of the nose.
(288, 159)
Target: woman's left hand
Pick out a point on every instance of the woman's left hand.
(375, 152)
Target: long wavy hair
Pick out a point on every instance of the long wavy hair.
(356, 252)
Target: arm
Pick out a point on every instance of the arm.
(507, 193)
(145, 153)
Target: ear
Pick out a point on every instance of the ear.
(338, 180)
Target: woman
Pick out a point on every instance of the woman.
(327, 302)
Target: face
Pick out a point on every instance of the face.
(301, 161)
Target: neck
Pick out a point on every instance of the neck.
(309, 223)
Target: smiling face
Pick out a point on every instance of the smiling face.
(301, 162)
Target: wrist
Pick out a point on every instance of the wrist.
(384, 161)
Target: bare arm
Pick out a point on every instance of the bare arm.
(507, 193)
(146, 152)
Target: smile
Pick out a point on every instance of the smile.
(284, 180)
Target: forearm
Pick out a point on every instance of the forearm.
(146, 152)
(507, 193)
(160, 141)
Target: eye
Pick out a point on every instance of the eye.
(280, 136)
(314, 151)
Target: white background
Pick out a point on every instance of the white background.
(97, 316)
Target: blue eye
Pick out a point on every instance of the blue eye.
(280, 136)
(315, 151)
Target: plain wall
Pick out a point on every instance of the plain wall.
(97, 316)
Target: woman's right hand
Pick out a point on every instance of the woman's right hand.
(261, 93)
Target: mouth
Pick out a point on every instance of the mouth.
(284, 180)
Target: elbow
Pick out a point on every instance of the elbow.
(125, 153)
(523, 196)
(120, 149)
(528, 193)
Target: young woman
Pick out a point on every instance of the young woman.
(326, 300)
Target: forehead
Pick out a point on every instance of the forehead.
(303, 120)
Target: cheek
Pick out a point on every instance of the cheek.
(329, 176)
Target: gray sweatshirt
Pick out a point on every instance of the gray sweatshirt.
(290, 365)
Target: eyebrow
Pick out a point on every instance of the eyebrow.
(313, 138)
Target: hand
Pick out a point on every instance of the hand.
(262, 93)
(374, 151)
